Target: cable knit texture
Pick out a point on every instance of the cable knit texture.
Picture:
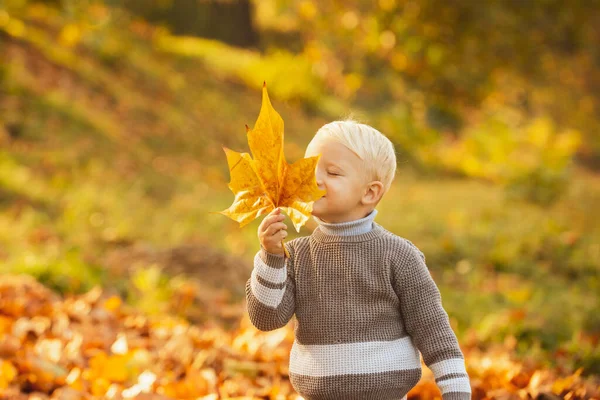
(366, 308)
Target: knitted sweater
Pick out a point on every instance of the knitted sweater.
(365, 305)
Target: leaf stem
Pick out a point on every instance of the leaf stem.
(285, 252)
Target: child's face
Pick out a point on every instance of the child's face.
(341, 173)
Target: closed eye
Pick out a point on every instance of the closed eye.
(333, 173)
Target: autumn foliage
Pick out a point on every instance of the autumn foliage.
(95, 346)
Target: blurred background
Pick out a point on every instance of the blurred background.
(113, 115)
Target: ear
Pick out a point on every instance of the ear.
(373, 193)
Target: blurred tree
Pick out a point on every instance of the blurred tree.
(448, 61)
(226, 20)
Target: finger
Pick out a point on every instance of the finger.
(278, 237)
(276, 211)
(270, 220)
(274, 228)
(275, 214)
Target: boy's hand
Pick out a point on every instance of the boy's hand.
(272, 231)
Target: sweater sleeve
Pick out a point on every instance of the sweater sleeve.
(427, 323)
(270, 291)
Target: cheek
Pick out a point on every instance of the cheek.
(335, 187)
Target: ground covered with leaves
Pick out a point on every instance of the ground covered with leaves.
(95, 346)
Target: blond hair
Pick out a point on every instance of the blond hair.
(372, 146)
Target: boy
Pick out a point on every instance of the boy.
(364, 300)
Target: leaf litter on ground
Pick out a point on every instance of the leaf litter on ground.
(93, 346)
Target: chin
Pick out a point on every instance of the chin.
(317, 211)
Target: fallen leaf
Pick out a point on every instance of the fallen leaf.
(8, 372)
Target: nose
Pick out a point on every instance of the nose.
(319, 178)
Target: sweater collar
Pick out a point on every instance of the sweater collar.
(350, 228)
(322, 234)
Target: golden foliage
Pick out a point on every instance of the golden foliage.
(267, 181)
(93, 346)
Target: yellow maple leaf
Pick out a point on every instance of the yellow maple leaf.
(266, 181)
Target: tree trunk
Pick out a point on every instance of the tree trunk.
(226, 20)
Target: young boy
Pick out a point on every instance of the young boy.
(364, 300)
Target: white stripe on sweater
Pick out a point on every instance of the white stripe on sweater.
(273, 275)
(452, 366)
(267, 296)
(455, 385)
(354, 358)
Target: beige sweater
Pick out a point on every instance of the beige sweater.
(365, 305)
